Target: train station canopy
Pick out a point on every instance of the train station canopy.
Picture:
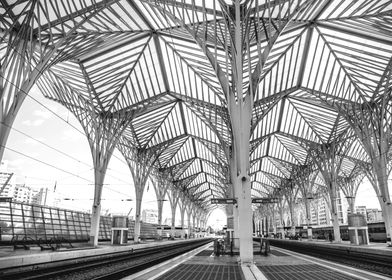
(160, 63)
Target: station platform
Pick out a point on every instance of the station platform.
(370, 246)
(10, 258)
(202, 264)
(279, 264)
(282, 264)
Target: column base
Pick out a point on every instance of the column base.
(245, 262)
(92, 241)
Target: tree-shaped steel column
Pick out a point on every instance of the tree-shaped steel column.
(373, 126)
(189, 210)
(174, 197)
(195, 211)
(242, 26)
(160, 185)
(29, 46)
(141, 164)
(305, 176)
(329, 160)
(103, 131)
(290, 193)
(182, 206)
(281, 206)
(349, 185)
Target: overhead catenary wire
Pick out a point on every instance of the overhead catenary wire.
(58, 116)
(61, 169)
(48, 164)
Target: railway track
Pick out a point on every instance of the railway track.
(107, 266)
(371, 261)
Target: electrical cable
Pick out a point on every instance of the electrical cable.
(43, 143)
(50, 110)
(61, 169)
(59, 151)
(48, 164)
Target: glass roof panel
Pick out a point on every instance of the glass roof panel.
(167, 62)
(363, 59)
(347, 9)
(333, 80)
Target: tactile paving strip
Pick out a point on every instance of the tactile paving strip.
(203, 272)
(302, 272)
(205, 253)
(278, 253)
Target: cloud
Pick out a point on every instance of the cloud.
(17, 166)
(44, 114)
(37, 122)
(71, 135)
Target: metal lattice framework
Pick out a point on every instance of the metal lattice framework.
(160, 77)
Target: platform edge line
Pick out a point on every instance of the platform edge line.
(144, 272)
(317, 261)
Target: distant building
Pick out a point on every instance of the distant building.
(374, 215)
(360, 210)
(343, 206)
(22, 193)
(322, 215)
(7, 184)
(150, 216)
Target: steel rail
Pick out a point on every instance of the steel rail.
(132, 262)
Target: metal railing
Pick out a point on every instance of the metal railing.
(22, 224)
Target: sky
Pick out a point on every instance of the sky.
(47, 148)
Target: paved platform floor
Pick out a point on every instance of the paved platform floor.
(280, 264)
(200, 264)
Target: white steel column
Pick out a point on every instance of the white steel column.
(174, 197)
(100, 172)
(160, 187)
(240, 108)
(182, 206)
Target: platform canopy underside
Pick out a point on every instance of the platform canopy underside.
(148, 60)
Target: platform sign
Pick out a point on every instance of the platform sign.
(230, 223)
(223, 201)
(265, 200)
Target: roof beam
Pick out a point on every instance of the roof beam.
(103, 51)
(353, 32)
(186, 6)
(160, 61)
(140, 14)
(71, 16)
